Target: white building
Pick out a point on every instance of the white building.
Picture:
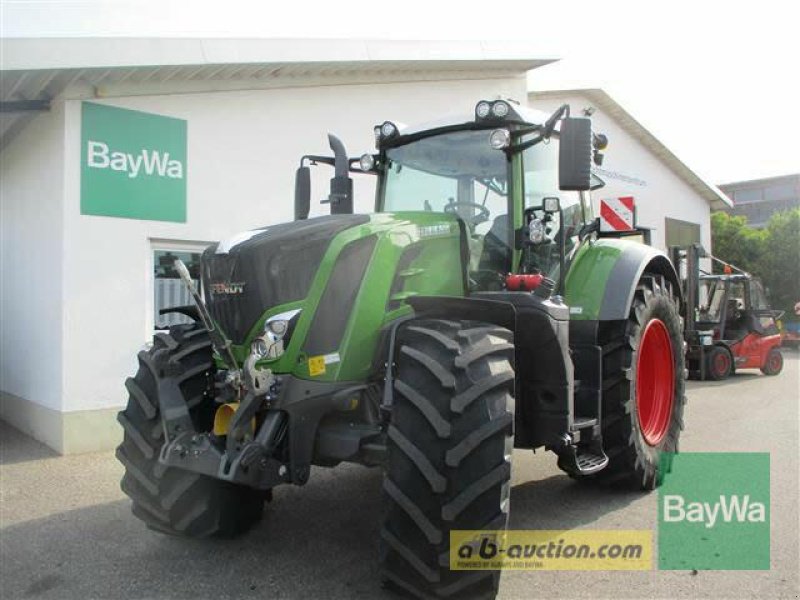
(671, 199)
(81, 277)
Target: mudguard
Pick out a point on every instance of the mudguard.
(603, 276)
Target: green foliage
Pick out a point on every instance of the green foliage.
(772, 253)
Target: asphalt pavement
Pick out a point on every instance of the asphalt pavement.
(66, 530)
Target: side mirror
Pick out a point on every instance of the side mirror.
(302, 193)
(575, 154)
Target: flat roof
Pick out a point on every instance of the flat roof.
(100, 53)
(711, 193)
(33, 72)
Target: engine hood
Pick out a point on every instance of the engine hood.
(266, 267)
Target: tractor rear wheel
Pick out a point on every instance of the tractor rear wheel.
(450, 442)
(774, 363)
(172, 500)
(719, 364)
(643, 388)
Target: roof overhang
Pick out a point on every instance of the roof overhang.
(40, 70)
(710, 192)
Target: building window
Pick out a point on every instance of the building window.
(168, 288)
(681, 233)
(748, 195)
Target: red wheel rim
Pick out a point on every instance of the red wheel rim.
(655, 382)
(722, 364)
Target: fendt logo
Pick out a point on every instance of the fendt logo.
(133, 164)
(147, 162)
(230, 289)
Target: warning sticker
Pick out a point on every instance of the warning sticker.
(316, 366)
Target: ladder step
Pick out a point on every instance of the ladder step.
(583, 423)
(582, 460)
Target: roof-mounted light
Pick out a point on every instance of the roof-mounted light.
(496, 110)
(385, 131)
(482, 109)
(388, 129)
(500, 109)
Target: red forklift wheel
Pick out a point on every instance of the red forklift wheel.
(719, 364)
(774, 363)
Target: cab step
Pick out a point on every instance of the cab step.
(582, 460)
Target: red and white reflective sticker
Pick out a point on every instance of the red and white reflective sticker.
(617, 214)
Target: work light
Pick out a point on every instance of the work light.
(499, 139)
(482, 109)
(500, 109)
(388, 129)
(366, 162)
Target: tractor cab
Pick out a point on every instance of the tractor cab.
(502, 173)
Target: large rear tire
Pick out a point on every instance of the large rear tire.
(450, 445)
(643, 388)
(172, 500)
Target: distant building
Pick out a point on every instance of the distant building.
(759, 199)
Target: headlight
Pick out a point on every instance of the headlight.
(536, 231)
(274, 339)
(260, 348)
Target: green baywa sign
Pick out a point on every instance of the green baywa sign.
(133, 164)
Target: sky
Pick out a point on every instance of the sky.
(717, 82)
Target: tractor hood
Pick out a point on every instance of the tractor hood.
(266, 267)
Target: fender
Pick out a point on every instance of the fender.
(603, 276)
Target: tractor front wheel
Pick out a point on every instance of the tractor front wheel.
(451, 437)
(167, 499)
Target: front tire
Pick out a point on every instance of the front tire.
(167, 499)
(643, 389)
(450, 445)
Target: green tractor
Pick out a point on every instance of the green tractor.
(478, 310)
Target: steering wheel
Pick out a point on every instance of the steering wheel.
(482, 215)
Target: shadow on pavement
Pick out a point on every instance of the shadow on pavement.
(16, 447)
(320, 541)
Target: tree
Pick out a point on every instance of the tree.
(735, 242)
(779, 265)
(773, 253)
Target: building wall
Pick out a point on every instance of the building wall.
(630, 169)
(31, 266)
(243, 149)
(759, 199)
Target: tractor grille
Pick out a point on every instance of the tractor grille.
(273, 267)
